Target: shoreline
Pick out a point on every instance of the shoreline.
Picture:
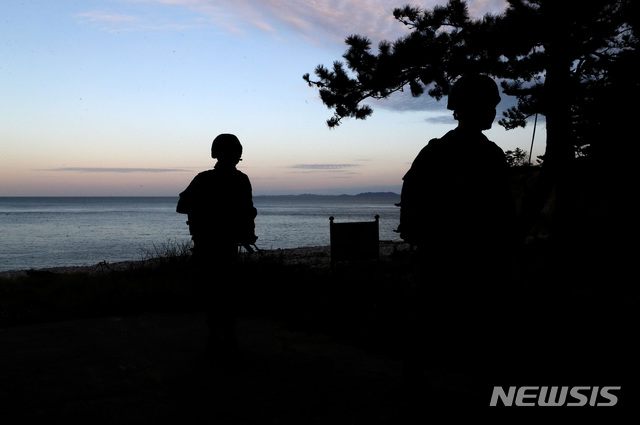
(314, 256)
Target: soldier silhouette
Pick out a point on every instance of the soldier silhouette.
(221, 216)
(457, 209)
(456, 198)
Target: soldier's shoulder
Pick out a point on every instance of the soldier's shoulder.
(432, 145)
(242, 176)
(444, 141)
(204, 176)
(205, 173)
(240, 173)
(493, 149)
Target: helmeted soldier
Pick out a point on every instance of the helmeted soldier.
(221, 216)
(456, 207)
(456, 198)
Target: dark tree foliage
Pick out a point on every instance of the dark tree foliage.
(517, 158)
(565, 60)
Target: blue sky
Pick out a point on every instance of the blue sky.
(123, 97)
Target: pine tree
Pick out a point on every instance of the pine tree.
(568, 61)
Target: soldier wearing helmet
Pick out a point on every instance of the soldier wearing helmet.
(473, 100)
(456, 207)
(221, 216)
(456, 193)
(226, 145)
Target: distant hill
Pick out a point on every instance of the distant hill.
(377, 194)
(359, 195)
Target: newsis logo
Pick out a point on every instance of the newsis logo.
(554, 396)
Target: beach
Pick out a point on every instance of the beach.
(316, 256)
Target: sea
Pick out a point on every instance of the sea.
(45, 232)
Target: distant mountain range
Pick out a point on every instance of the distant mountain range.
(359, 195)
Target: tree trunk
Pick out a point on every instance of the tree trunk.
(557, 172)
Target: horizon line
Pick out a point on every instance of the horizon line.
(176, 196)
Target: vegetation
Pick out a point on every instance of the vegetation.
(165, 283)
(571, 62)
(356, 303)
(566, 61)
(516, 158)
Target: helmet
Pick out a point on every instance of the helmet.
(226, 145)
(473, 90)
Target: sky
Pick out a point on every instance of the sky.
(124, 97)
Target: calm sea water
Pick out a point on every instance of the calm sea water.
(54, 232)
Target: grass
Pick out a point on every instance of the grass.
(163, 282)
(356, 303)
(154, 284)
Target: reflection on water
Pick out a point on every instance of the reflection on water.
(52, 232)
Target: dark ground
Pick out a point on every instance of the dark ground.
(326, 352)
(149, 370)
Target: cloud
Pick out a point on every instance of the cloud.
(324, 167)
(98, 16)
(317, 21)
(336, 170)
(441, 119)
(314, 20)
(114, 170)
(482, 7)
(333, 19)
(140, 21)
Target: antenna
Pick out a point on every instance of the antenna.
(535, 123)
